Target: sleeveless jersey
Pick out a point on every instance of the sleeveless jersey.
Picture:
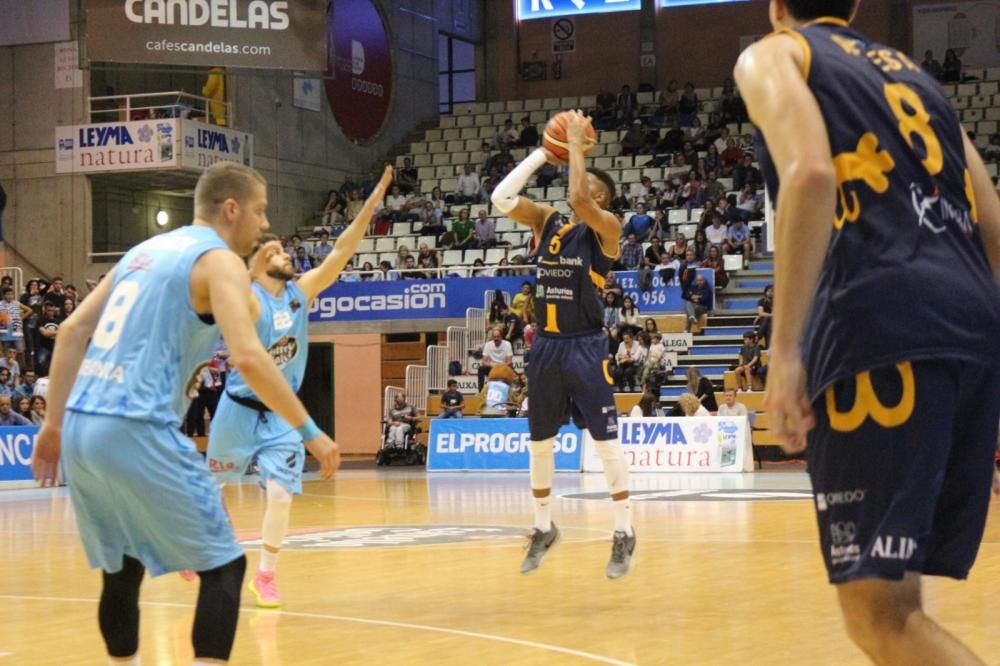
(150, 345)
(906, 276)
(571, 269)
(497, 394)
(283, 329)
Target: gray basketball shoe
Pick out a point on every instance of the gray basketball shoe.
(539, 543)
(622, 547)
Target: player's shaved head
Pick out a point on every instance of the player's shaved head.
(222, 181)
(606, 180)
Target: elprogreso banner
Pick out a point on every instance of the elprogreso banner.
(445, 298)
(683, 444)
(494, 444)
(16, 445)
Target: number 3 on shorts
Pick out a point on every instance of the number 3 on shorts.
(109, 329)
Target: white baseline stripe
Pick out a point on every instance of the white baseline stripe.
(359, 620)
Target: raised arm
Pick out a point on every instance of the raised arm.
(506, 196)
(986, 206)
(603, 222)
(67, 356)
(226, 281)
(321, 277)
(771, 80)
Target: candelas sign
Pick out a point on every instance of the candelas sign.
(271, 34)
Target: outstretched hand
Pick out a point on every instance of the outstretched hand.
(576, 128)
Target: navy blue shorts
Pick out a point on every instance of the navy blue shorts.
(901, 462)
(568, 377)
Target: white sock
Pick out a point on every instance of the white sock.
(134, 661)
(543, 513)
(279, 506)
(623, 515)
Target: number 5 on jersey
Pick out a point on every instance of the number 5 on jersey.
(112, 322)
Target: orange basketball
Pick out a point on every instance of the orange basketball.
(554, 137)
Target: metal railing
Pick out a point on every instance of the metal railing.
(416, 387)
(490, 296)
(458, 346)
(170, 104)
(475, 324)
(437, 368)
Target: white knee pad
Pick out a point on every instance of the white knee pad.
(543, 463)
(277, 496)
(615, 469)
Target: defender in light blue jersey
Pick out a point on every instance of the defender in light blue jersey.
(244, 429)
(143, 496)
(883, 343)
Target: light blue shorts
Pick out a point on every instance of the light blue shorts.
(241, 434)
(142, 489)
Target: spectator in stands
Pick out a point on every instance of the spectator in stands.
(629, 360)
(612, 287)
(626, 107)
(629, 320)
(667, 102)
(32, 298)
(9, 361)
(8, 417)
(369, 273)
(38, 410)
(437, 198)
(730, 407)
(646, 407)
(26, 388)
(700, 245)
(494, 318)
(523, 303)
(631, 254)
(513, 325)
(409, 271)
(427, 258)
(463, 228)
(700, 301)
(746, 173)
(301, 260)
(521, 268)
(641, 225)
(715, 261)
(731, 157)
(490, 182)
(12, 313)
(485, 231)
(634, 139)
(68, 305)
(406, 178)
(348, 186)
(747, 362)
(726, 210)
(716, 233)
(688, 269)
(702, 389)
(738, 241)
(387, 271)
(689, 104)
(604, 112)
(507, 135)
(401, 207)
(479, 269)
(323, 248)
(518, 400)
(730, 103)
(402, 418)
(496, 352)
(653, 363)
(501, 160)
(931, 65)
(652, 255)
(529, 134)
(333, 210)
(765, 307)
(624, 199)
(452, 402)
(689, 405)
(430, 220)
(402, 255)
(354, 204)
(672, 141)
(48, 328)
(691, 193)
(468, 186)
(951, 70)
(713, 188)
(22, 405)
(679, 248)
(6, 385)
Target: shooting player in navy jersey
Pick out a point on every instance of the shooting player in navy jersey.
(886, 309)
(568, 373)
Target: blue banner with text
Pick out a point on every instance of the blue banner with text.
(495, 444)
(16, 446)
(537, 9)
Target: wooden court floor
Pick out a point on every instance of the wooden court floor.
(404, 567)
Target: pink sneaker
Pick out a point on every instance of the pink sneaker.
(265, 589)
(189, 575)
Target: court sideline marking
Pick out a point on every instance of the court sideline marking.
(359, 620)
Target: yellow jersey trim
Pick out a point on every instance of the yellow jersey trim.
(806, 49)
(832, 20)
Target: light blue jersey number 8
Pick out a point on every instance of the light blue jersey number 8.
(109, 329)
